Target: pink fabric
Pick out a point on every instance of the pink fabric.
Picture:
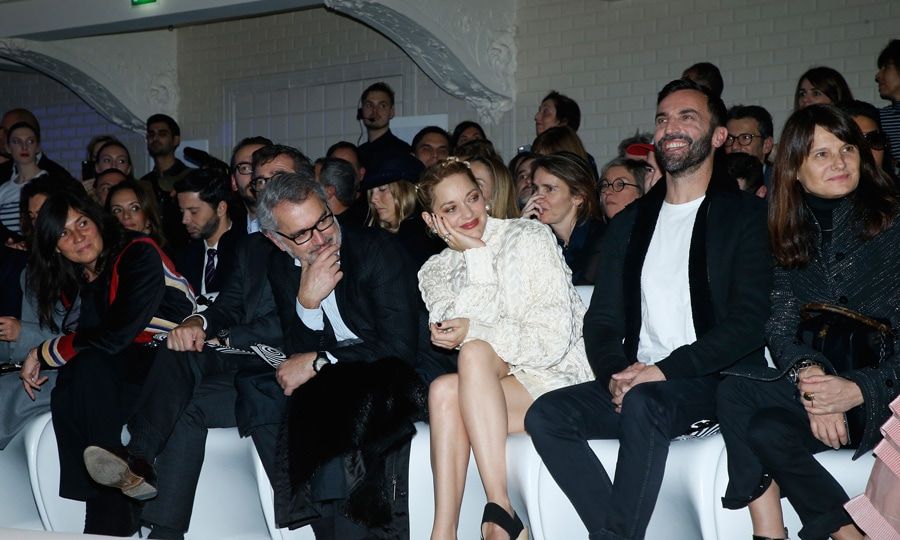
(877, 511)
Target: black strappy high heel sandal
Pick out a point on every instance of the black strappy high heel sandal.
(494, 513)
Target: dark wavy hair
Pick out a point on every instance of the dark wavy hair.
(147, 200)
(828, 81)
(790, 221)
(50, 275)
(46, 185)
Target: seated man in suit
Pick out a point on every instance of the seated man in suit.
(208, 259)
(347, 301)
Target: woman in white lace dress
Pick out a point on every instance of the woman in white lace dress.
(502, 294)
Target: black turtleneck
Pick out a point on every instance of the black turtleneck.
(823, 212)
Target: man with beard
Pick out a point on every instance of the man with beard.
(376, 111)
(690, 272)
(163, 137)
(242, 178)
(208, 259)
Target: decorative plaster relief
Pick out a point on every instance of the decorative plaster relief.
(125, 78)
(467, 48)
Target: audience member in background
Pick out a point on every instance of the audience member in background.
(113, 155)
(707, 74)
(747, 171)
(646, 153)
(431, 144)
(821, 86)
(888, 79)
(24, 142)
(518, 330)
(89, 165)
(242, 182)
(359, 210)
(105, 181)
(565, 198)
(464, 132)
(392, 201)
(18, 335)
(476, 147)
(339, 180)
(832, 212)
(77, 253)
(163, 137)
(376, 111)
(621, 182)
(496, 186)
(520, 169)
(637, 138)
(275, 159)
(134, 206)
(16, 116)
(750, 131)
(559, 139)
(869, 122)
(557, 110)
(209, 258)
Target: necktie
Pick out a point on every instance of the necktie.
(209, 273)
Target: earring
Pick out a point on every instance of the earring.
(487, 207)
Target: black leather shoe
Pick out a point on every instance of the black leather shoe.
(494, 513)
(120, 470)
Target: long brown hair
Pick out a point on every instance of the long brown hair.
(790, 221)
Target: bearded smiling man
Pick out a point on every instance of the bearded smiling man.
(209, 258)
(693, 269)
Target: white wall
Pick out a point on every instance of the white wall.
(613, 57)
(67, 122)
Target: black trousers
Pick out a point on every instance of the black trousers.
(767, 436)
(561, 422)
(178, 466)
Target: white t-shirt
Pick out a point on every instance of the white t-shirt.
(666, 319)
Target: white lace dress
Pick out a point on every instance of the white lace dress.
(518, 295)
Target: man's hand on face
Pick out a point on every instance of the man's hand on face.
(320, 277)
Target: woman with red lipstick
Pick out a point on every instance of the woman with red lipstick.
(127, 290)
(502, 295)
(24, 143)
(834, 233)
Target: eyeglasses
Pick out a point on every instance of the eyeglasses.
(304, 236)
(875, 139)
(617, 185)
(258, 183)
(744, 139)
(244, 167)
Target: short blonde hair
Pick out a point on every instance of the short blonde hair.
(404, 195)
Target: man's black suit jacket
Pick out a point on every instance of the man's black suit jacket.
(190, 261)
(729, 274)
(245, 305)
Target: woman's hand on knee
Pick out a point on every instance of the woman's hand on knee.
(831, 429)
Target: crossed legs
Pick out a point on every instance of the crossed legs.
(475, 409)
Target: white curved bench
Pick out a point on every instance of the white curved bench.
(18, 509)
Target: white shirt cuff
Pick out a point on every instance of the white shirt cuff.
(312, 318)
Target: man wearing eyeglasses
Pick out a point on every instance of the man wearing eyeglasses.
(347, 301)
(242, 176)
(750, 132)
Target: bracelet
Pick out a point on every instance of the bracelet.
(794, 372)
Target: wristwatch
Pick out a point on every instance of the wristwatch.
(320, 361)
(223, 336)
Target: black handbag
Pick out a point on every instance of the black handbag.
(849, 340)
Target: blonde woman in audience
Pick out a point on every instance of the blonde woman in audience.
(502, 295)
(496, 185)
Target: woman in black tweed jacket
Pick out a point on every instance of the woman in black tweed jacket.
(835, 239)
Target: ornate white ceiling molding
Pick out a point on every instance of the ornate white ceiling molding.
(467, 47)
(126, 78)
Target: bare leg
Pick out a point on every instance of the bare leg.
(449, 455)
(765, 513)
(489, 409)
(847, 532)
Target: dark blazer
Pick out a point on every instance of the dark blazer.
(583, 252)
(730, 274)
(245, 305)
(189, 260)
(862, 275)
(377, 298)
